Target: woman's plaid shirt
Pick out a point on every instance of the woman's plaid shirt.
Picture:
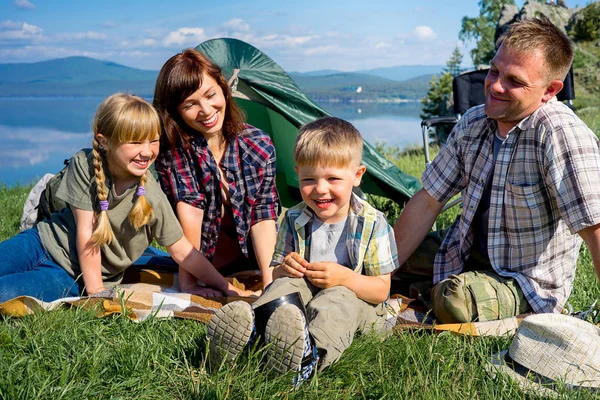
(192, 176)
(545, 188)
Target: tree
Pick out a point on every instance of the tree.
(437, 101)
(482, 29)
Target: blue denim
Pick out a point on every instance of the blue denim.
(26, 269)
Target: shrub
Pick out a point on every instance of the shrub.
(587, 27)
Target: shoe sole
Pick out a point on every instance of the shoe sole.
(228, 332)
(284, 335)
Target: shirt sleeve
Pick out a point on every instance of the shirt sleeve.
(444, 177)
(382, 253)
(178, 180)
(285, 242)
(573, 174)
(267, 205)
(77, 186)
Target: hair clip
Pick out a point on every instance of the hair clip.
(141, 191)
(104, 205)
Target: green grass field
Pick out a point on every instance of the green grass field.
(71, 354)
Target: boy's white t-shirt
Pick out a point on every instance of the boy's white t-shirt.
(328, 242)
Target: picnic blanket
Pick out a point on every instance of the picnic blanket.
(150, 293)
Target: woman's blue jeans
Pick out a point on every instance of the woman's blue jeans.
(26, 269)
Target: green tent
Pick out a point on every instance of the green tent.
(276, 105)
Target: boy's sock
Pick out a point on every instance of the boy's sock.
(290, 347)
(229, 331)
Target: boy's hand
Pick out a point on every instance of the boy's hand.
(293, 266)
(326, 274)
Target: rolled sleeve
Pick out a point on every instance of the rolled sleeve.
(444, 178)
(382, 251)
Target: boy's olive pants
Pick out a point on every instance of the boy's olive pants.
(476, 294)
(334, 314)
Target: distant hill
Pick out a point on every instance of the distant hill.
(72, 70)
(404, 72)
(74, 76)
(82, 76)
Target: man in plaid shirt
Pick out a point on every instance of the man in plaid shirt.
(529, 172)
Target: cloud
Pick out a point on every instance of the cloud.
(24, 4)
(237, 25)
(424, 33)
(10, 30)
(382, 45)
(323, 50)
(109, 24)
(89, 35)
(185, 36)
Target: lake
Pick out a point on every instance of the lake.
(38, 134)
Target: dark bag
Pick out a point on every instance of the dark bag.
(49, 203)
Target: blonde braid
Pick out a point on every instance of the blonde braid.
(141, 211)
(103, 232)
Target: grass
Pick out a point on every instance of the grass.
(71, 354)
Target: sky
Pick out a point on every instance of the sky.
(307, 35)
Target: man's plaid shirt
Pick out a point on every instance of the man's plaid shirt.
(545, 188)
(192, 176)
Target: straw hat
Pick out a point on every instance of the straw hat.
(550, 349)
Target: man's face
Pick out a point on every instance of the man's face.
(515, 86)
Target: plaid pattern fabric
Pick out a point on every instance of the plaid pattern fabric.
(545, 188)
(371, 244)
(192, 176)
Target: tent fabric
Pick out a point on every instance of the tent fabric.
(274, 103)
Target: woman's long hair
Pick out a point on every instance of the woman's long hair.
(180, 77)
(121, 118)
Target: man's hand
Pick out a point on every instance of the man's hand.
(327, 274)
(293, 266)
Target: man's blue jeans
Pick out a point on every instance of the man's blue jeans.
(26, 269)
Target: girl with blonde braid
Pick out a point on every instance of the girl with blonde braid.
(115, 209)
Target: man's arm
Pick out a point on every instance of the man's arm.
(414, 223)
(591, 236)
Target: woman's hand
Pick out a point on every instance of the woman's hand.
(203, 291)
(234, 291)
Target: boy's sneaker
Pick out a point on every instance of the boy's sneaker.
(229, 331)
(290, 347)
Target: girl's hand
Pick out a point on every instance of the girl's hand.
(293, 266)
(95, 290)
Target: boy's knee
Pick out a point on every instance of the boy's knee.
(452, 302)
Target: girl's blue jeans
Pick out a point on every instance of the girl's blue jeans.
(26, 269)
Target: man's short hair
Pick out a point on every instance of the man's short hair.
(542, 35)
(328, 141)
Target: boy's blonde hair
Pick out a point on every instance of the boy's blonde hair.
(121, 118)
(329, 142)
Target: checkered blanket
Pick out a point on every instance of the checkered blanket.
(155, 294)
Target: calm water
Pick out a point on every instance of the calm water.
(37, 134)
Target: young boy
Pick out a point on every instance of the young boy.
(335, 249)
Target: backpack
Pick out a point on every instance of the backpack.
(49, 203)
(42, 201)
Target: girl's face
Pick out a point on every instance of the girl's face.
(204, 110)
(130, 160)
